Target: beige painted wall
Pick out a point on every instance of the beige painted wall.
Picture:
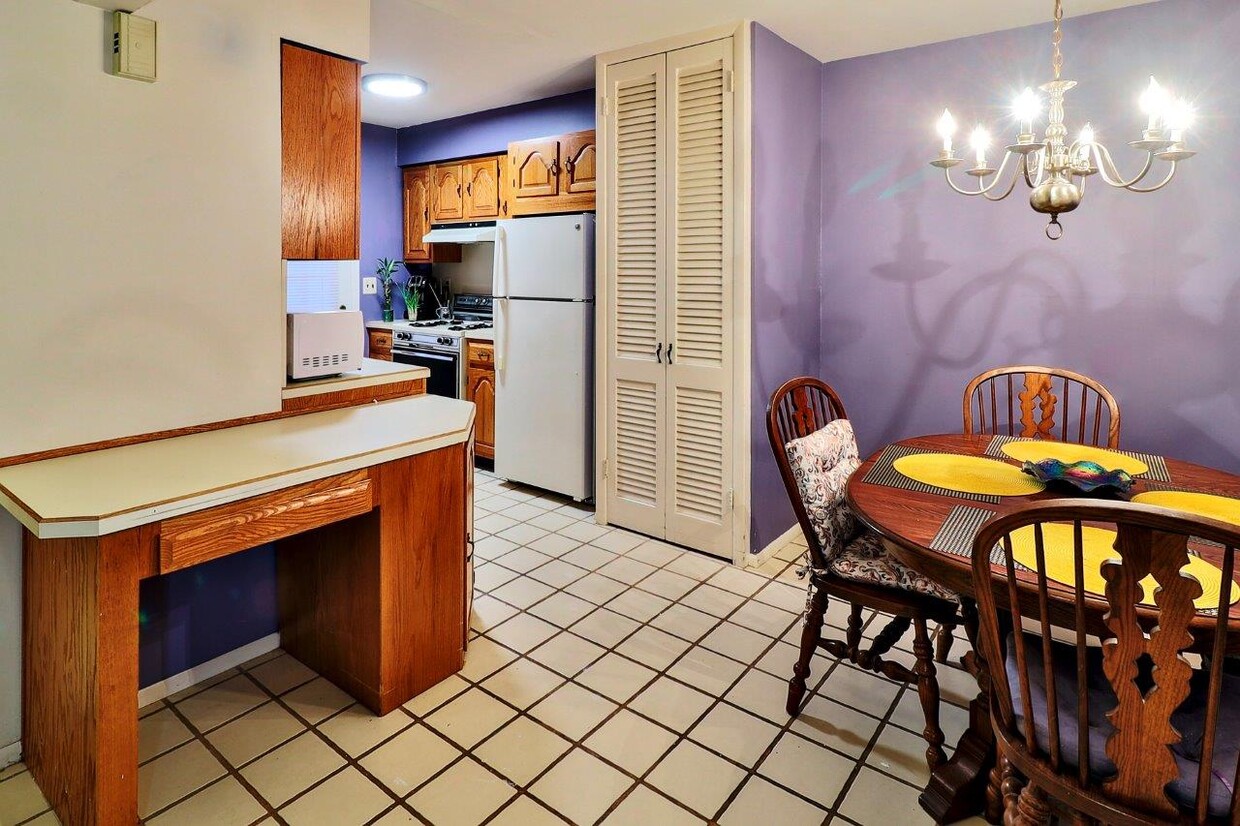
(140, 284)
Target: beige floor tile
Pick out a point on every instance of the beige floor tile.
(347, 797)
(674, 705)
(638, 605)
(696, 778)
(589, 556)
(788, 597)
(790, 552)
(581, 787)
(834, 725)
(489, 576)
(631, 742)
(781, 658)
(525, 812)
(763, 802)
(20, 798)
(653, 647)
(711, 672)
(644, 807)
(292, 768)
(470, 718)
(627, 570)
(483, 658)
(767, 620)
(902, 754)
(226, 803)
(282, 674)
(522, 592)
(864, 691)
(17, 768)
(522, 533)
(562, 609)
(551, 521)
(159, 732)
(668, 585)
(398, 817)
(357, 729)
(523, 560)
(167, 779)
(492, 547)
(523, 632)
(694, 565)
(573, 711)
(736, 642)
(522, 683)
(735, 734)
(596, 588)
(583, 531)
(221, 703)
(714, 601)
(811, 770)
(567, 653)
(737, 581)
(261, 730)
(464, 795)
(489, 612)
(494, 523)
(616, 677)
(317, 700)
(653, 552)
(522, 511)
(875, 798)
(618, 541)
(46, 819)
(555, 544)
(685, 622)
(956, 686)
(410, 759)
(605, 628)
(760, 693)
(908, 715)
(557, 573)
(522, 750)
(438, 694)
(202, 685)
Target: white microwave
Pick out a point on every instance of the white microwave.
(324, 344)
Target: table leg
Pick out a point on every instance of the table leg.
(80, 674)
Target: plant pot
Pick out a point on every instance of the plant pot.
(388, 315)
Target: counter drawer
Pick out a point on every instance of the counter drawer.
(480, 354)
(219, 531)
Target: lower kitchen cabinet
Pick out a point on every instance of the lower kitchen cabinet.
(480, 389)
(380, 344)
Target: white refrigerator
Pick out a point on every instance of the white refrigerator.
(544, 352)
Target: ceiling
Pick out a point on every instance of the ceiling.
(479, 54)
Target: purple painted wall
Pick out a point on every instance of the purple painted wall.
(923, 288)
(489, 132)
(787, 217)
(382, 210)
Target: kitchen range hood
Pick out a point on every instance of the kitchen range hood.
(460, 235)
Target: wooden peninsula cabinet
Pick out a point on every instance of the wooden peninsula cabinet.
(553, 174)
(480, 389)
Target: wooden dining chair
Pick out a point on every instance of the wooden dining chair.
(1041, 403)
(1128, 732)
(816, 451)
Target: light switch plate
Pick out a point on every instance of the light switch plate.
(370, 286)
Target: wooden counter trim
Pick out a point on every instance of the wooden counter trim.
(206, 535)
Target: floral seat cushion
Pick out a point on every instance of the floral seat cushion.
(865, 559)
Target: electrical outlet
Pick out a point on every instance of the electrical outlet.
(370, 286)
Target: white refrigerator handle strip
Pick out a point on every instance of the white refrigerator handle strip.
(501, 332)
(499, 267)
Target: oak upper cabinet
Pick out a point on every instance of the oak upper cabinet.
(447, 193)
(482, 188)
(417, 189)
(480, 389)
(552, 174)
(321, 152)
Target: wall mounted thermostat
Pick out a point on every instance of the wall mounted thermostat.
(133, 47)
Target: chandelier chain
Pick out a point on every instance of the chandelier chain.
(1057, 38)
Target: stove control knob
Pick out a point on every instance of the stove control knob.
(445, 340)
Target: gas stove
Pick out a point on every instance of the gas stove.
(469, 312)
(450, 326)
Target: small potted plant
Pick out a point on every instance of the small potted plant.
(411, 293)
(386, 271)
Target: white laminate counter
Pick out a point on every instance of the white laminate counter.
(91, 494)
(374, 372)
(476, 335)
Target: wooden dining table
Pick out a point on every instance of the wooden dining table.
(920, 526)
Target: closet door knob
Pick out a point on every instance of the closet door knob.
(658, 353)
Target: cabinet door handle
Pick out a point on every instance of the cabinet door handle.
(568, 166)
(426, 214)
(658, 353)
(458, 190)
(469, 188)
(553, 169)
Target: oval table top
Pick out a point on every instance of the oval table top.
(910, 520)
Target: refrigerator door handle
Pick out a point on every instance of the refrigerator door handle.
(501, 331)
(499, 267)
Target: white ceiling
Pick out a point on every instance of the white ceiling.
(479, 54)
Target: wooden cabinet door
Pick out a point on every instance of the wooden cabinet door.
(580, 163)
(321, 151)
(480, 389)
(535, 168)
(417, 182)
(447, 196)
(481, 188)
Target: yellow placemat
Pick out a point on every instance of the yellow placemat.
(1222, 508)
(1036, 451)
(1099, 546)
(967, 474)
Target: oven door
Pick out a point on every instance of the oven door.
(443, 367)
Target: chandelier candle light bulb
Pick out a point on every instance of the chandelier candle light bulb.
(1056, 170)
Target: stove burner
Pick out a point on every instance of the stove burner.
(478, 325)
(425, 323)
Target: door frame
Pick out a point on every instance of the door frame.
(742, 183)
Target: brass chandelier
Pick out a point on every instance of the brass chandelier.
(1055, 171)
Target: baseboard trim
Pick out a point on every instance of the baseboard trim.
(756, 559)
(10, 754)
(205, 671)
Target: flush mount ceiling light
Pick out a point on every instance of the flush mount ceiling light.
(394, 86)
(1056, 171)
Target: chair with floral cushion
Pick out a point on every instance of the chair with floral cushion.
(816, 451)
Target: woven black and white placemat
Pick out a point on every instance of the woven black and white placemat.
(883, 473)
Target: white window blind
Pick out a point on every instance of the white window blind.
(315, 286)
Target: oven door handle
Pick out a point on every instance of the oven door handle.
(430, 354)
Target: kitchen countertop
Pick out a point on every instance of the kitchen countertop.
(373, 372)
(475, 335)
(104, 491)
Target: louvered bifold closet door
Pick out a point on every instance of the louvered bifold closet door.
(699, 378)
(637, 260)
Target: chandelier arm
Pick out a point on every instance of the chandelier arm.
(981, 190)
(1160, 185)
(1110, 174)
(1035, 181)
(1006, 192)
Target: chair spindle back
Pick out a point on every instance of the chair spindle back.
(1041, 403)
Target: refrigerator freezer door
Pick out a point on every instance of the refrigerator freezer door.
(550, 256)
(544, 394)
